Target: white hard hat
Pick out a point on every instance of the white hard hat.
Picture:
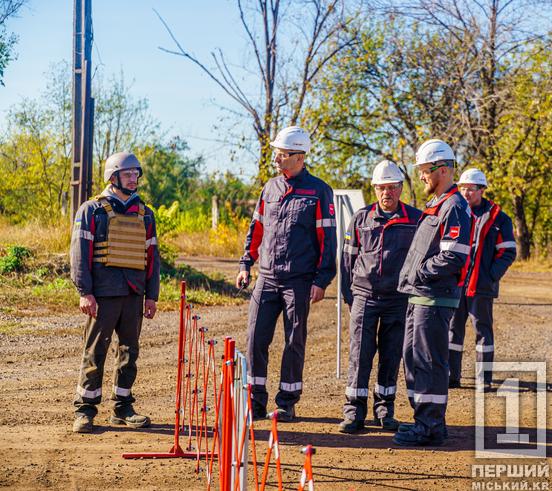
(120, 161)
(473, 176)
(433, 151)
(386, 172)
(292, 138)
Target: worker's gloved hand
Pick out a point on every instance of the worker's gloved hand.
(88, 305)
(242, 280)
(150, 307)
(316, 294)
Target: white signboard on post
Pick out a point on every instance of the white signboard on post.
(347, 202)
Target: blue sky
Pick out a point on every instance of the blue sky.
(127, 35)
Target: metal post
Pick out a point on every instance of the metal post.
(343, 205)
(77, 107)
(83, 109)
(214, 212)
(339, 217)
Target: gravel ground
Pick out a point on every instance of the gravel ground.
(38, 373)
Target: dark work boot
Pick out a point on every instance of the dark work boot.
(403, 427)
(259, 411)
(388, 423)
(83, 423)
(129, 417)
(351, 426)
(411, 438)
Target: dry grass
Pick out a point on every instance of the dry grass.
(223, 242)
(38, 237)
(533, 265)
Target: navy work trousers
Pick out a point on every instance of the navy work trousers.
(375, 325)
(426, 367)
(480, 311)
(270, 298)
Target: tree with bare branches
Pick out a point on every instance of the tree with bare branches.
(291, 43)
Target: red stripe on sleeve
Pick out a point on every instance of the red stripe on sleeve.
(257, 236)
(499, 253)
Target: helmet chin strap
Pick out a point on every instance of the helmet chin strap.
(127, 192)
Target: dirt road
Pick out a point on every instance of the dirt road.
(38, 373)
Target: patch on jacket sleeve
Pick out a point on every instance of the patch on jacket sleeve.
(331, 209)
(454, 232)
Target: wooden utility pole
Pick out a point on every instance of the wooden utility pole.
(83, 105)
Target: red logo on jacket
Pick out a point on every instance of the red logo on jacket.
(310, 192)
(332, 209)
(454, 232)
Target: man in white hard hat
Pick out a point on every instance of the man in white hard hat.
(432, 276)
(115, 268)
(375, 248)
(293, 236)
(493, 252)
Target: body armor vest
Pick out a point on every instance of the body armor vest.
(126, 240)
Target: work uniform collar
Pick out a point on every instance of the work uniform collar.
(378, 213)
(297, 178)
(483, 207)
(438, 199)
(109, 193)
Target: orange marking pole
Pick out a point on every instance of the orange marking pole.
(273, 444)
(181, 400)
(306, 474)
(225, 458)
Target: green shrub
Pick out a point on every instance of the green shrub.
(14, 259)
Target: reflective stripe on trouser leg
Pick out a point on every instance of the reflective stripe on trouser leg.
(127, 349)
(97, 337)
(457, 332)
(390, 342)
(430, 366)
(264, 308)
(481, 315)
(295, 296)
(363, 324)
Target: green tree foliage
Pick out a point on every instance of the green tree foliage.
(8, 8)
(35, 151)
(521, 180)
(170, 175)
(406, 81)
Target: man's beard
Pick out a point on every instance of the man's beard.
(429, 188)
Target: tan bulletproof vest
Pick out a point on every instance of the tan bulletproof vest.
(126, 240)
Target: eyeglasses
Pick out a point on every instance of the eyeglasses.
(387, 187)
(430, 170)
(286, 155)
(130, 173)
(471, 189)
